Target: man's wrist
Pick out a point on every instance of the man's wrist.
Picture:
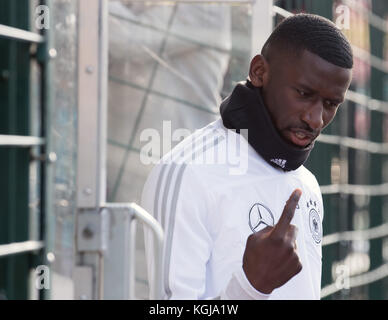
(249, 288)
(239, 288)
(258, 287)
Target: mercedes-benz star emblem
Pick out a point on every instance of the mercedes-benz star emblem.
(260, 217)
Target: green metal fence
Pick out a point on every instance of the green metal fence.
(22, 148)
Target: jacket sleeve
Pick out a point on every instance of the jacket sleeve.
(176, 197)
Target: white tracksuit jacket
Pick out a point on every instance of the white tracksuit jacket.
(208, 210)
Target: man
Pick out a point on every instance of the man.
(243, 236)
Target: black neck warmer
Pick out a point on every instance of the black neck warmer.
(245, 109)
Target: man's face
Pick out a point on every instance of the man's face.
(302, 94)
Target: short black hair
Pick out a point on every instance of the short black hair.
(315, 34)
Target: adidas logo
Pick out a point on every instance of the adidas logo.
(280, 162)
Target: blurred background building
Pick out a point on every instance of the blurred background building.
(80, 81)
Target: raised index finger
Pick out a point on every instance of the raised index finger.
(288, 213)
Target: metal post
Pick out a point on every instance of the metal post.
(262, 24)
(92, 82)
(91, 177)
(47, 218)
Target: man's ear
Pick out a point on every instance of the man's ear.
(258, 72)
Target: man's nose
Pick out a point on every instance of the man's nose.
(313, 116)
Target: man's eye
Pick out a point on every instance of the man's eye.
(331, 104)
(302, 93)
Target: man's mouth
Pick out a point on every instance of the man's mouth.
(300, 138)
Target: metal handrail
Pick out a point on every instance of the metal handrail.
(143, 216)
(20, 247)
(19, 34)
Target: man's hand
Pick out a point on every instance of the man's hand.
(270, 257)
